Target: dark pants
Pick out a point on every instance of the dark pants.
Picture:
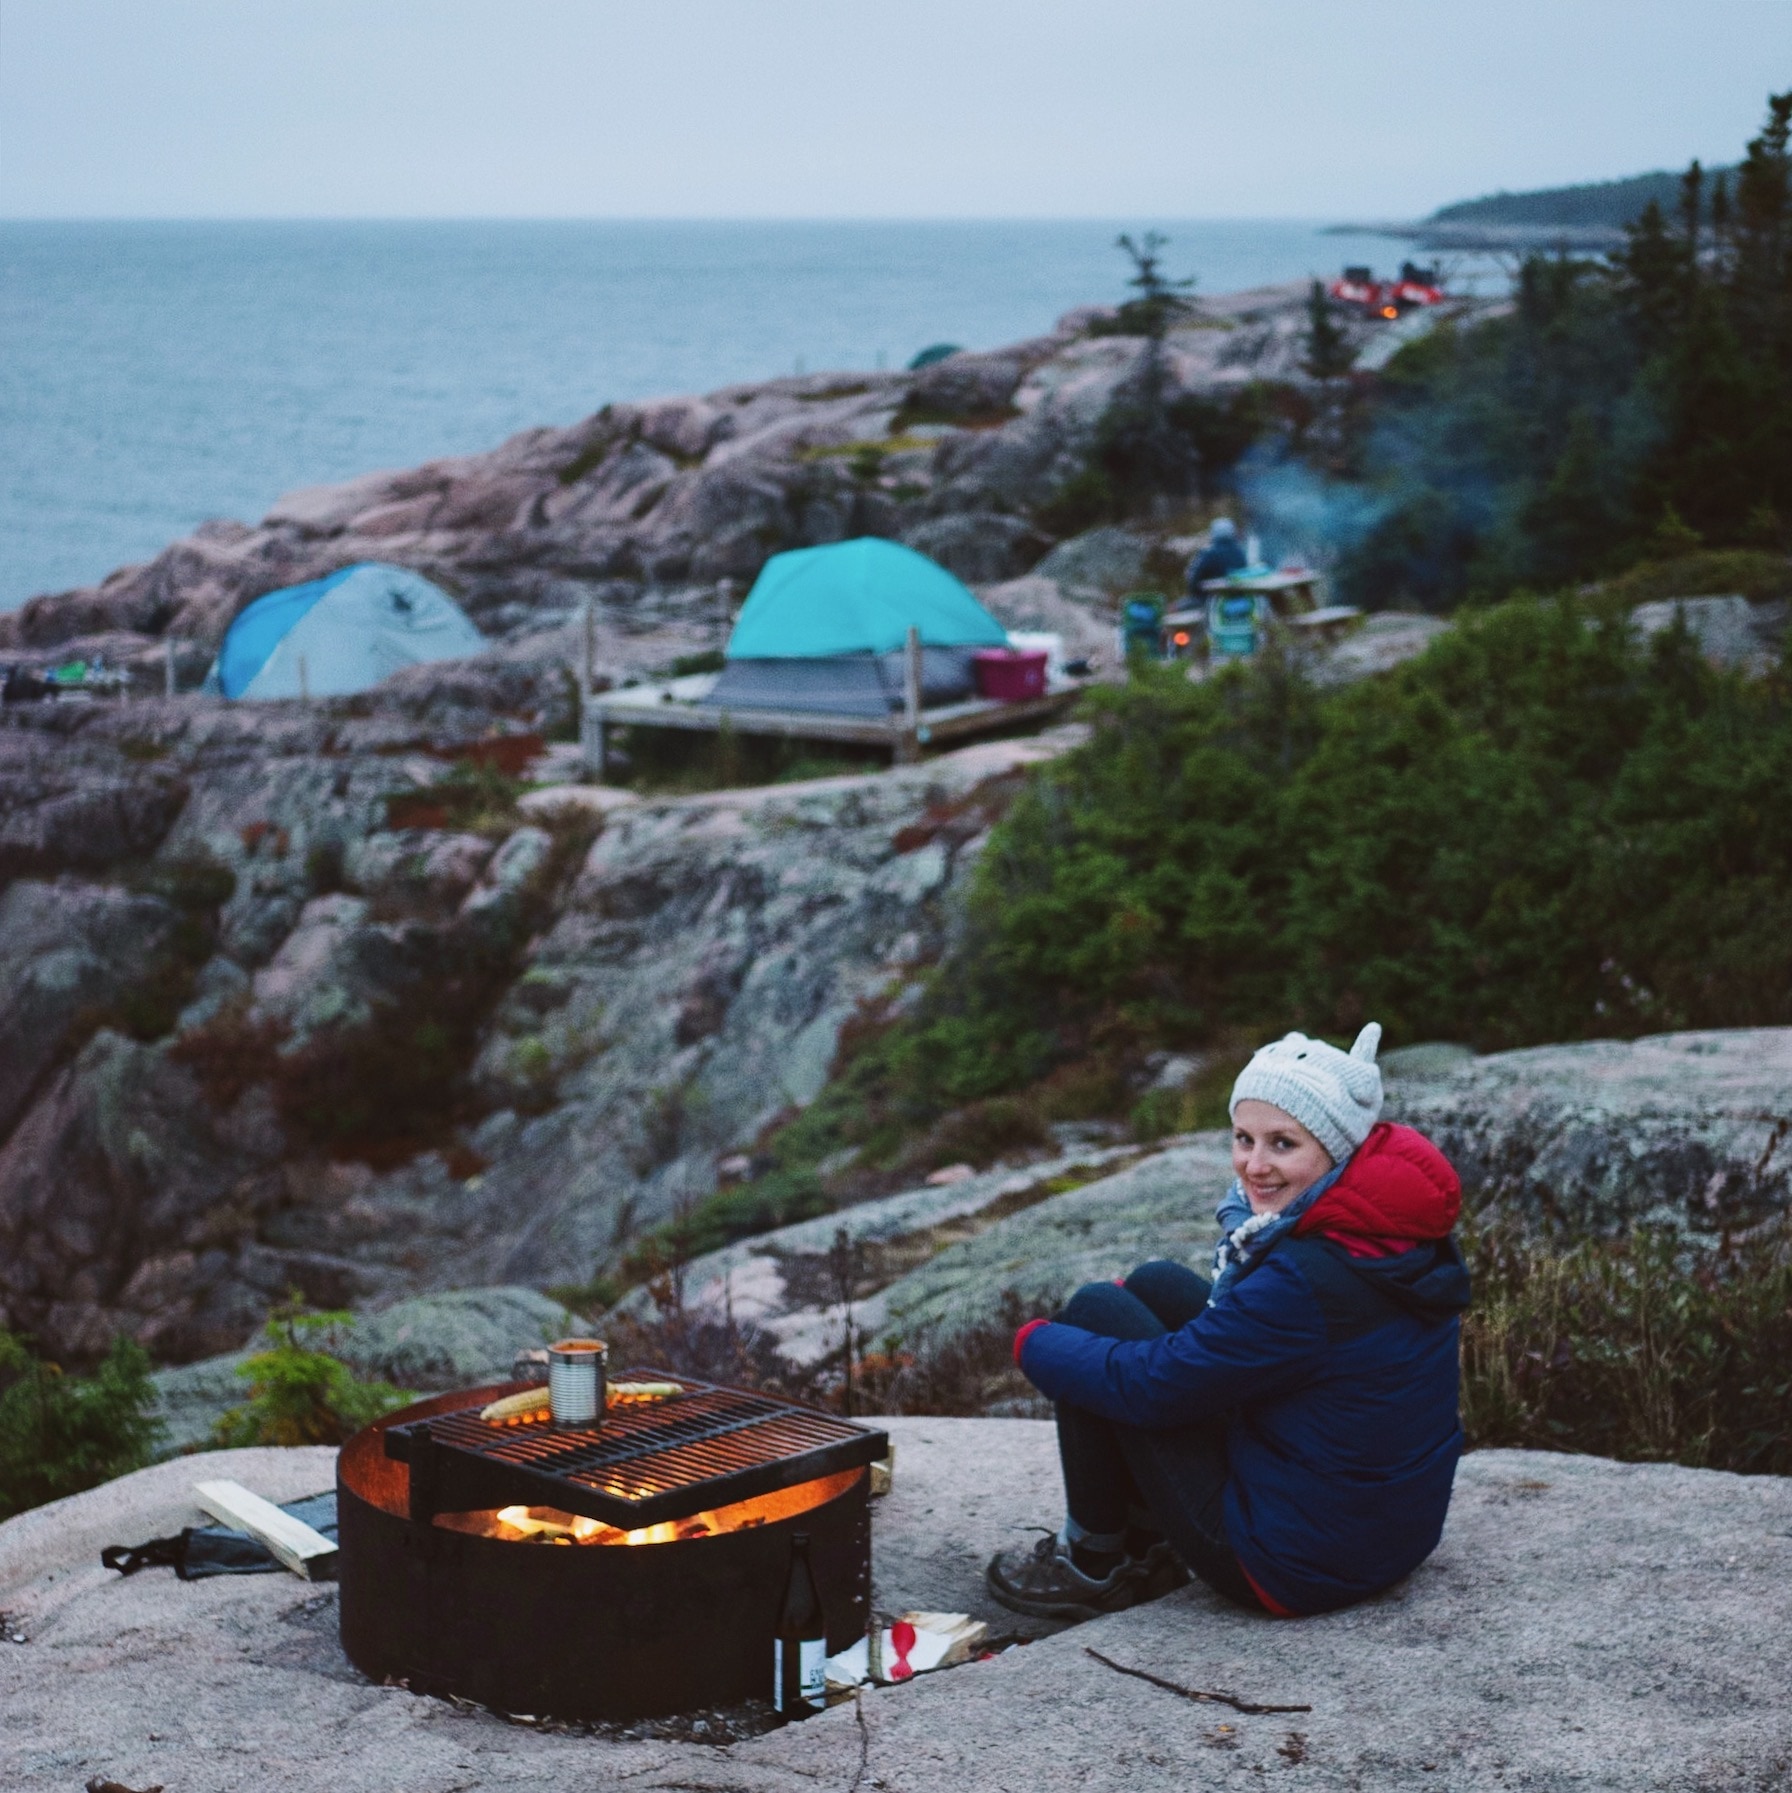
(1172, 1480)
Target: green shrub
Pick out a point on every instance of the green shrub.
(1203, 1101)
(299, 1393)
(60, 1433)
(195, 883)
(1633, 1348)
(531, 1071)
(779, 1198)
(1542, 829)
(324, 868)
(1224, 426)
(1746, 572)
(818, 765)
(397, 1084)
(979, 1134)
(1084, 500)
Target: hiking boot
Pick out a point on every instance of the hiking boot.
(1045, 1583)
(1161, 1572)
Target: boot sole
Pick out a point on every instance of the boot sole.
(1079, 1611)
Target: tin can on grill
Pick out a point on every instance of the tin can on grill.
(576, 1381)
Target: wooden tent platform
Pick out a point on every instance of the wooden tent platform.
(676, 705)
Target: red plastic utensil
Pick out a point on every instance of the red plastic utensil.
(902, 1640)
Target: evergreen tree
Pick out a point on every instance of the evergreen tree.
(1692, 214)
(1161, 301)
(1330, 354)
(1652, 273)
(1141, 456)
(1763, 217)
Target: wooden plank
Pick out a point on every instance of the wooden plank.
(803, 725)
(985, 714)
(976, 716)
(307, 1553)
(883, 1474)
(1264, 582)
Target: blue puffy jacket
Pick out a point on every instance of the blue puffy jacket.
(1333, 1363)
(1215, 562)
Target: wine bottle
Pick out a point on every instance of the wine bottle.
(800, 1650)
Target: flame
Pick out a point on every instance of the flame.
(551, 1525)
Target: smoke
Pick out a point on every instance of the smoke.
(1297, 513)
(1515, 451)
(1424, 516)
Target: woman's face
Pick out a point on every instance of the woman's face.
(1274, 1157)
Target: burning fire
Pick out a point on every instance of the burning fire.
(550, 1525)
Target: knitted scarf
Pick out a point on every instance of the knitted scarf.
(1246, 1238)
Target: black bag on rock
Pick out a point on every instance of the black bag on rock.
(202, 1550)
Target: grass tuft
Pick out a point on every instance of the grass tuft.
(1634, 1348)
(60, 1434)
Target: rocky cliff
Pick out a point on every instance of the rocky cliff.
(294, 1000)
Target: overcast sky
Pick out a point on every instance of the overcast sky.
(843, 108)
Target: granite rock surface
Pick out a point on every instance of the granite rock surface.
(1584, 1624)
(1692, 1131)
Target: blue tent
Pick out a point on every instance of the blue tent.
(825, 629)
(338, 635)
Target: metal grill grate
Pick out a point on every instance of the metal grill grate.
(645, 1465)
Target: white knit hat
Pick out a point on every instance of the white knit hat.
(1335, 1095)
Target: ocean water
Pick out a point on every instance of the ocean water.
(154, 375)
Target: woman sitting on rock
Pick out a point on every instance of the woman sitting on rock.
(1290, 1432)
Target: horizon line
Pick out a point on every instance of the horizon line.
(967, 218)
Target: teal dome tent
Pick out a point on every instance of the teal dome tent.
(338, 635)
(825, 629)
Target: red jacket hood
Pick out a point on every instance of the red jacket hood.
(1396, 1190)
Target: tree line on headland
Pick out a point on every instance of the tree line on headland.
(1635, 405)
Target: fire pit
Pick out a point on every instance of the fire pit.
(622, 1571)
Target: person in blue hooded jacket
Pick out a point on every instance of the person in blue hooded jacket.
(1223, 554)
(1289, 1431)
